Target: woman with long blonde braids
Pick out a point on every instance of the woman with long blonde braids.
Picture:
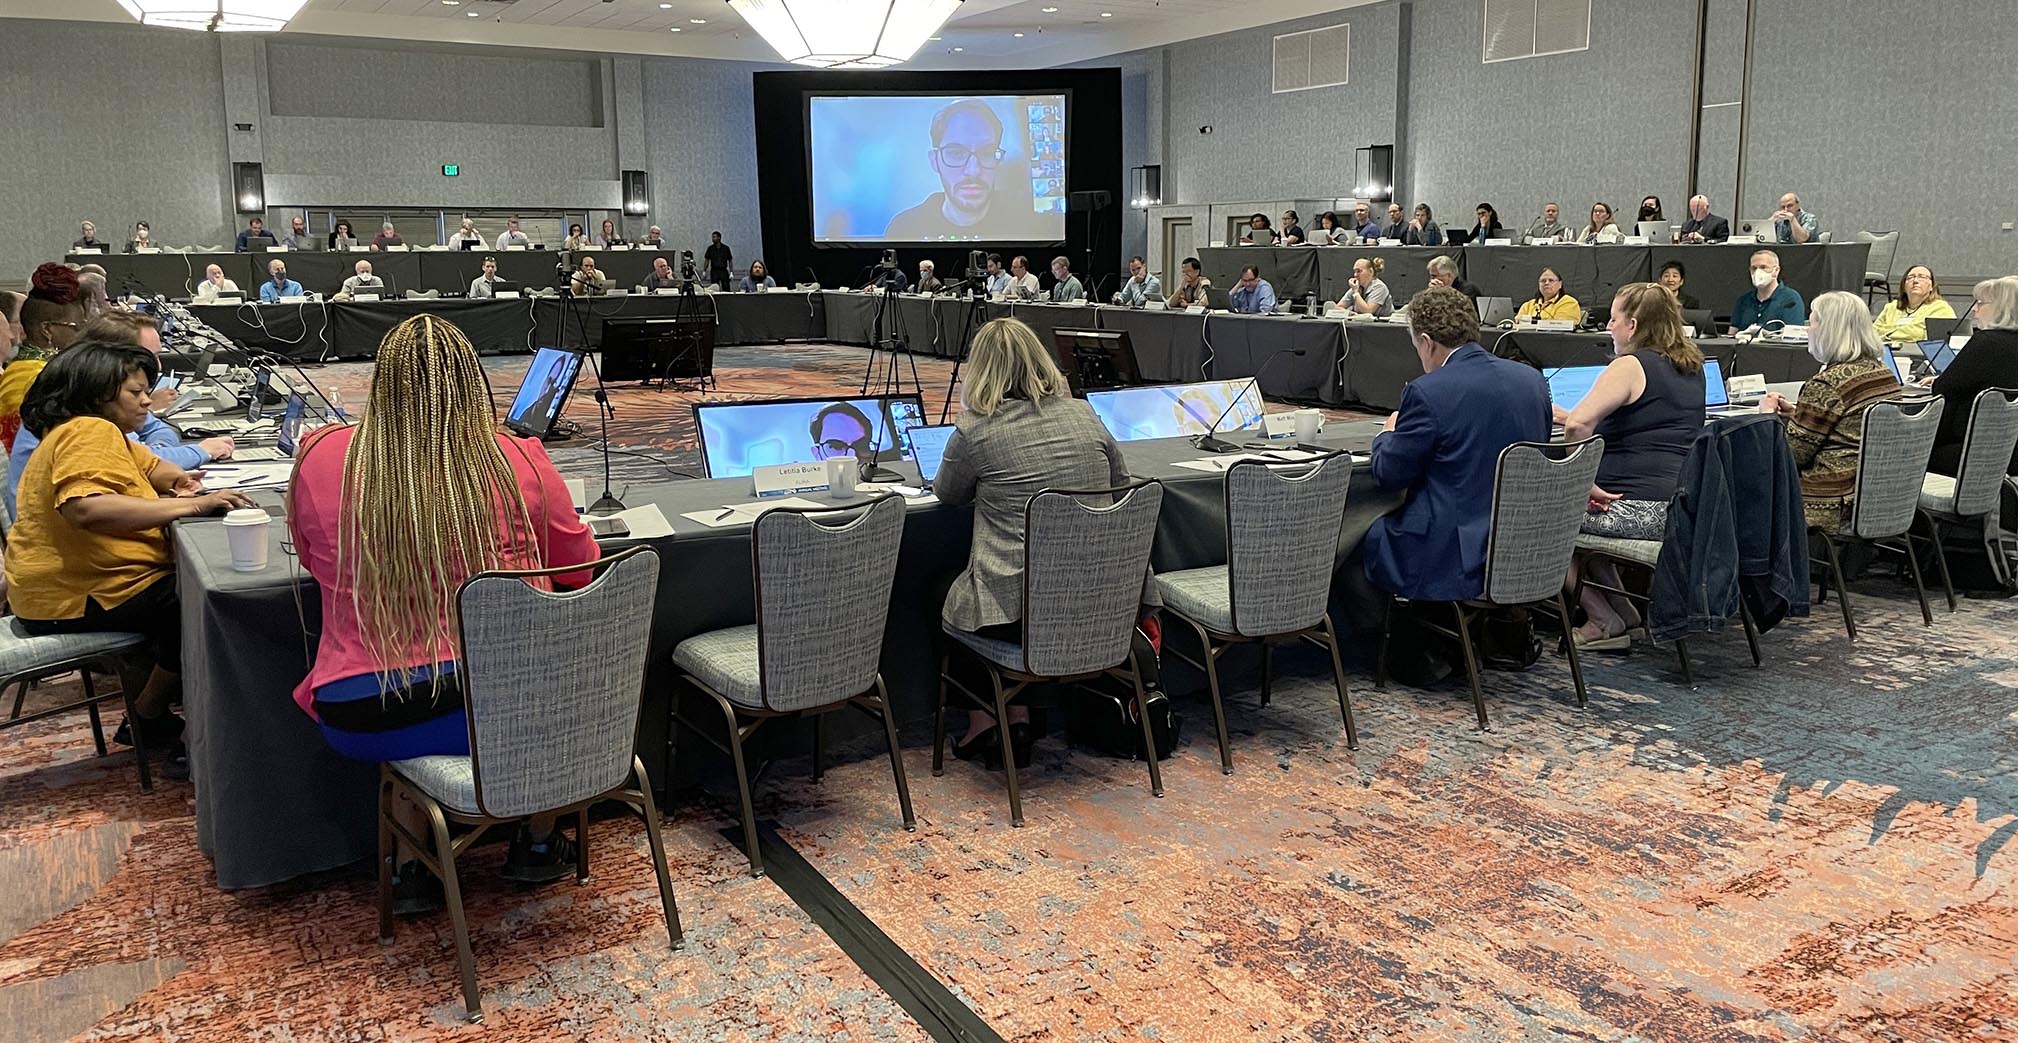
(390, 516)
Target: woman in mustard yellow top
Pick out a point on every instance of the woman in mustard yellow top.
(1551, 302)
(89, 549)
(1904, 320)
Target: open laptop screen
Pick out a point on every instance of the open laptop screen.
(1715, 394)
(928, 445)
(1569, 385)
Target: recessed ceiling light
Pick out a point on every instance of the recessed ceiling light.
(959, 49)
(936, 39)
(665, 7)
(698, 21)
(1106, 14)
(476, 14)
(674, 29)
(1019, 36)
(1050, 10)
(452, 3)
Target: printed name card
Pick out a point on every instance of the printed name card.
(786, 479)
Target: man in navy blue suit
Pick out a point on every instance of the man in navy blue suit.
(1443, 446)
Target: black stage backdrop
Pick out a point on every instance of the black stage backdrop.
(1093, 162)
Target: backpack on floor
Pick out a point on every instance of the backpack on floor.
(1103, 715)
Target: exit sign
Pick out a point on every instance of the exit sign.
(450, 169)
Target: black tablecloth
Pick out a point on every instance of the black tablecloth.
(274, 803)
(1717, 272)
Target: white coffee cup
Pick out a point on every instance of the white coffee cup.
(1307, 423)
(245, 530)
(841, 474)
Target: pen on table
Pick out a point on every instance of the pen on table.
(726, 511)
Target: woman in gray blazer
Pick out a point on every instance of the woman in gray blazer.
(1020, 431)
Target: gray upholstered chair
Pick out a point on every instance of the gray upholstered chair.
(1085, 554)
(1282, 526)
(1972, 495)
(1891, 469)
(551, 683)
(823, 581)
(27, 658)
(1878, 270)
(1539, 495)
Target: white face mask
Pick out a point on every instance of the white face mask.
(1762, 278)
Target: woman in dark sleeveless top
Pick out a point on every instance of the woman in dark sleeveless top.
(1648, 405)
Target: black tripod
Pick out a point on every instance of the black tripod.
(687, 337)
(572, 305)
(977, 316)
(890, 339)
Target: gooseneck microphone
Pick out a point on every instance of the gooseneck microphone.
(1212, 444)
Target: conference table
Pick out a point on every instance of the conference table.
(1717, 273)
(273, 802)
(1333, 362)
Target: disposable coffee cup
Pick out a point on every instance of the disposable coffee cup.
(1307, 423)
(245, 530)
(841, 474)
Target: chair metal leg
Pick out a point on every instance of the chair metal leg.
(1009, 765)
(1380, 653)
(1267, 672)
(1941, 560)
(388, 854)
(581, 846)
(939, 719)
(658, 846)
(451, 887)
(1570, 643)
(20, 696)
(896, 758)
(1842, 589)
(90, 710)
(1338, 676)
(819, 744)
(1688, 669)
(1751, 633)
(1211, 664)
(1148, 733)
(1919, 584)
(742, 786)
(1471, 667)
(127, 692)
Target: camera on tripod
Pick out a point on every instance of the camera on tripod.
(687, 265)
(977, 266)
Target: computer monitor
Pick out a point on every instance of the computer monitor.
(1095, 359)
(543, 392)
(1569, 384)
(928, 447)
(1940, 354)
(1173, 410)
(739, 437)
(1715, 394)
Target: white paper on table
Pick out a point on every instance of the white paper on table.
(745, 513)
(1226, 460)
(645, 523)
(272, 474)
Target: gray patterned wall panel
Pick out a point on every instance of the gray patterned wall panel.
(439, 86)
(1609, 123)
(1892, 114)
(700, 133)
(114, 156)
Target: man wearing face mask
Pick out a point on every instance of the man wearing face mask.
(273, 289)
(1770, 301)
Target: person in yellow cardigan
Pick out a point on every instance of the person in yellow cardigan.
(1551, 302)
(1904, 320)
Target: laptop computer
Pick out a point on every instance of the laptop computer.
(1260, 236)
(1940, 354)
(1892, 363)
(1704, 320)
(928, 446)
(345, 245)
(1655, 231)
(1715, 394)
(1942, 329)
(1494, 310)
(1569, 384)
(1217, 299)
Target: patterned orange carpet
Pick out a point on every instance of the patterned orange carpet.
(1818, 850)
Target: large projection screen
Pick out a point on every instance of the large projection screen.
(905, 168)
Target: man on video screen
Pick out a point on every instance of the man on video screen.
(966, 152)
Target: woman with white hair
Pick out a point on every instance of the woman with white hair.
(1825, 428)
(1991, 361)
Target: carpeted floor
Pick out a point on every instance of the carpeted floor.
(1819, 850)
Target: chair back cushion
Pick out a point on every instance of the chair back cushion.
(1892, 465)
(1539, 496)
(1986, 451)
(1086, 555)
(1282, 526)
(553, 680)
(823, 581)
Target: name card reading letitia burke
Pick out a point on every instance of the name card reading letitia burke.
(786, 479)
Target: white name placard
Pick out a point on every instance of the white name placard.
(786, 479)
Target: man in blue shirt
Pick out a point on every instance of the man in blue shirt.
(1769, 301)
(1791, 224)
(1252, 294)
(1363, 223)
(255, 229)
(1141, 287)
(279, 285)
(156, 434)
(998, 280)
